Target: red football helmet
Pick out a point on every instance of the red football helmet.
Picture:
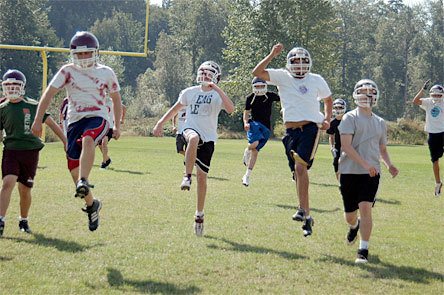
(13, 84)
(84, 42)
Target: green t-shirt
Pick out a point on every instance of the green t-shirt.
(16, 119)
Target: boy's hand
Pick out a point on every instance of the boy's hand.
(426, 85)
(116, 133)
(246, 126)
(158, 130)
(277, 49)
(393, 170)
(36, 128)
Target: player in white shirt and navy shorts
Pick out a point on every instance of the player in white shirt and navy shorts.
(203, 104)
(87, 84)
(300, 92)
(434, 108)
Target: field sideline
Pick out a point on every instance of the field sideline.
(146, 244)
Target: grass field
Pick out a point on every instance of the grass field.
(146, 244)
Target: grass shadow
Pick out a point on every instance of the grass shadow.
(218, 178)
(3, 258)
(311, 209)
(59, 244)
(325, 184)
(381, 270)
(127, 171)
(117, 281)
(238, 247)
(390, 202)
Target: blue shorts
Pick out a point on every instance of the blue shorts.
(301, 144)
(258, 132)
(95, 127)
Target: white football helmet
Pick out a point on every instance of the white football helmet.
(339, 107)
(366, 93)
(437, 93)
(13, 84)
(208, 71)
(298, 62)
(259, 86)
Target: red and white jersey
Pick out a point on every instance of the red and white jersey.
(87, 90)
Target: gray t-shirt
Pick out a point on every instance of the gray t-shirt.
(368, 133)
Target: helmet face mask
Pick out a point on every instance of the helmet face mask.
(339, 107)
(298, 62)
(83, 43)
(207, 72)
(13, 84)
(366, 93)
(437, 93)
(259, 86)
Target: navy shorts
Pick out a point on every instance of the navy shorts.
(181, 143)
(436, 145)
(258, 132)
(301, 144)
(23, 164)
(357, 188)
(95, 127)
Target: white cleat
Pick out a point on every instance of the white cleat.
(199, 225)
(438, 188)
(186, 183)
(247, 156)
(246, 180)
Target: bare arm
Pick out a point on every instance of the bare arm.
(117, 106)
(346, 140)
(122, 119)
(226, 101)
(386, 159)
(417, 99)
(328, 106)
(246, 117)
(46, 99)
(260, 69)
(57, 130)
(331, 140)
(158, 128)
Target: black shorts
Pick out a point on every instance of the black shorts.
(357, 188)
(436, 145)
(181, 143)
(109, 135)
(205, 152)
(23, 164)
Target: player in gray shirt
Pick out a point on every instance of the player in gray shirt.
(364, 141)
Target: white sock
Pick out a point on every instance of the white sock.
(199, 213)
(363, 244)
(21, 218)
(307, 217)
(2, 218)
(248, 173)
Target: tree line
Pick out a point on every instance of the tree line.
(397, 46)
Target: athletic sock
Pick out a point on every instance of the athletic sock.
(23, 218)
(363, 244)
(199, 213)
(2, 218)
(248, 173)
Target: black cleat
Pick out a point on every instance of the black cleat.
(362, 256)
(105, 164)
(299, 215)
(93, 214)
(2, 227)
(24, 226)
(353, 234)
(307, 227)
(82, 188)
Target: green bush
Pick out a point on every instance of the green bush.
(405, 131)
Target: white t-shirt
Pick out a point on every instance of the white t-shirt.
(181, 118)
(202, 111)
(300, 97)
(87, 90)
(434, 115)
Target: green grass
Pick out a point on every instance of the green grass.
(146, 244)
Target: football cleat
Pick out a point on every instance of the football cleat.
(246, 180)
(247, 156)
(2, 227)
(307, 227)
(353, 234)
(199, 225)
(24, 226)
(93, 214)
(186, 183)
(299, 215)
(82, 188)
(438, 188)
(105, 164)
(362, 256)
